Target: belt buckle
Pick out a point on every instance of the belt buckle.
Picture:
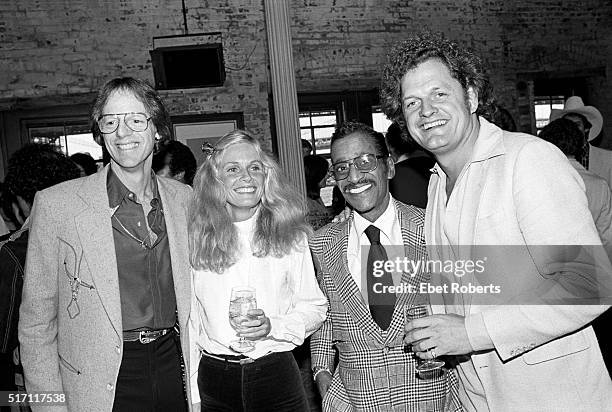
(246, 361)
(144, 340)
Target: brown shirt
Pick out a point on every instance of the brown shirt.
(146, 287)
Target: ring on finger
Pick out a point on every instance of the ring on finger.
(432, 351)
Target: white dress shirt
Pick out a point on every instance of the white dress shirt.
(286, 289)
(390, 238)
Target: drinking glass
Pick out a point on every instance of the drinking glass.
(241, 301)
(422, 310)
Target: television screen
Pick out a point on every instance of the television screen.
(185, 67)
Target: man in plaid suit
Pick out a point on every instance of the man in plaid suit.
(375, 372)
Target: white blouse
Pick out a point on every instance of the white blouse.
(285, 288)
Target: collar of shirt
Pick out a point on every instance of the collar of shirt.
(118, 192)
(489, 143)
(387, 223)
(391, 234)
(577, 165)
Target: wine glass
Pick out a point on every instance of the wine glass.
(421, 310)
(241, 301)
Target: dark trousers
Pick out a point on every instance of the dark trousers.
(7, 376)
(269, 384)
(150, 377)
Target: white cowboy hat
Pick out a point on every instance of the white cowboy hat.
(574, 104)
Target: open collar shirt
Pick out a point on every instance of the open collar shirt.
(146, 286)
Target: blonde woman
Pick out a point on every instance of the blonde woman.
(247, 228)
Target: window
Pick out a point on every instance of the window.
(69, 138)
(317, 126)
(380, 123)
(320, 113)
(551, 93)
(543, 105)
(67, 127)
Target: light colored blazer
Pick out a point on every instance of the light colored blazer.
(520, 190)
(79, 351)
(374, 372)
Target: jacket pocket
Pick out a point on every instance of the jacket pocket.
(558, 348)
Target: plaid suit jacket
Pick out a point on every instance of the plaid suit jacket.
(374, 373)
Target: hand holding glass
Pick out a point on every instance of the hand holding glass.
(421, 311)
(241, 301)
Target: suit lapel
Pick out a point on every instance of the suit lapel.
(96, 236)
(347, 288)
(410, 239)
(176, 226)
(488, 145)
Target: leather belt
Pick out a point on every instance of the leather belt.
(241, 359)
(145, 336)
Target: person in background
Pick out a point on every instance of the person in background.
(175, 161)
(247, 228)
(85, 163)
(412, 167)
(306, 148)
(315, 168)
(520, 344)
(365, 326)
(568, 137)
(107, 290)
(7, 212)
(594, 156)
(502, 118)
(588, 119)
(32, 168)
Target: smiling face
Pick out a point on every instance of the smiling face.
(243, 176)
(366, 192)
(439, 114)
(129, 150)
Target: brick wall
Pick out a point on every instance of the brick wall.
(61, 48)
(341, 44)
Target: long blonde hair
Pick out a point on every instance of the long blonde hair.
(213, 238)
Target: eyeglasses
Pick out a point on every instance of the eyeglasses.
(137, 122)
(364, 163)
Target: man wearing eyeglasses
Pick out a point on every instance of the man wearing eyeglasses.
(365, 320)
(106, 287)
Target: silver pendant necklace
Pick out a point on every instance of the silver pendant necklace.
(140, 241)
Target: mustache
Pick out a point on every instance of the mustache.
(351, 186)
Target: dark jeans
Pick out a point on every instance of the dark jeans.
(150, 377)
(270, 384)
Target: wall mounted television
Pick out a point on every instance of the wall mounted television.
(186, 67)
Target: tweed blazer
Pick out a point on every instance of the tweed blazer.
(71, 261)
(374, 373)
